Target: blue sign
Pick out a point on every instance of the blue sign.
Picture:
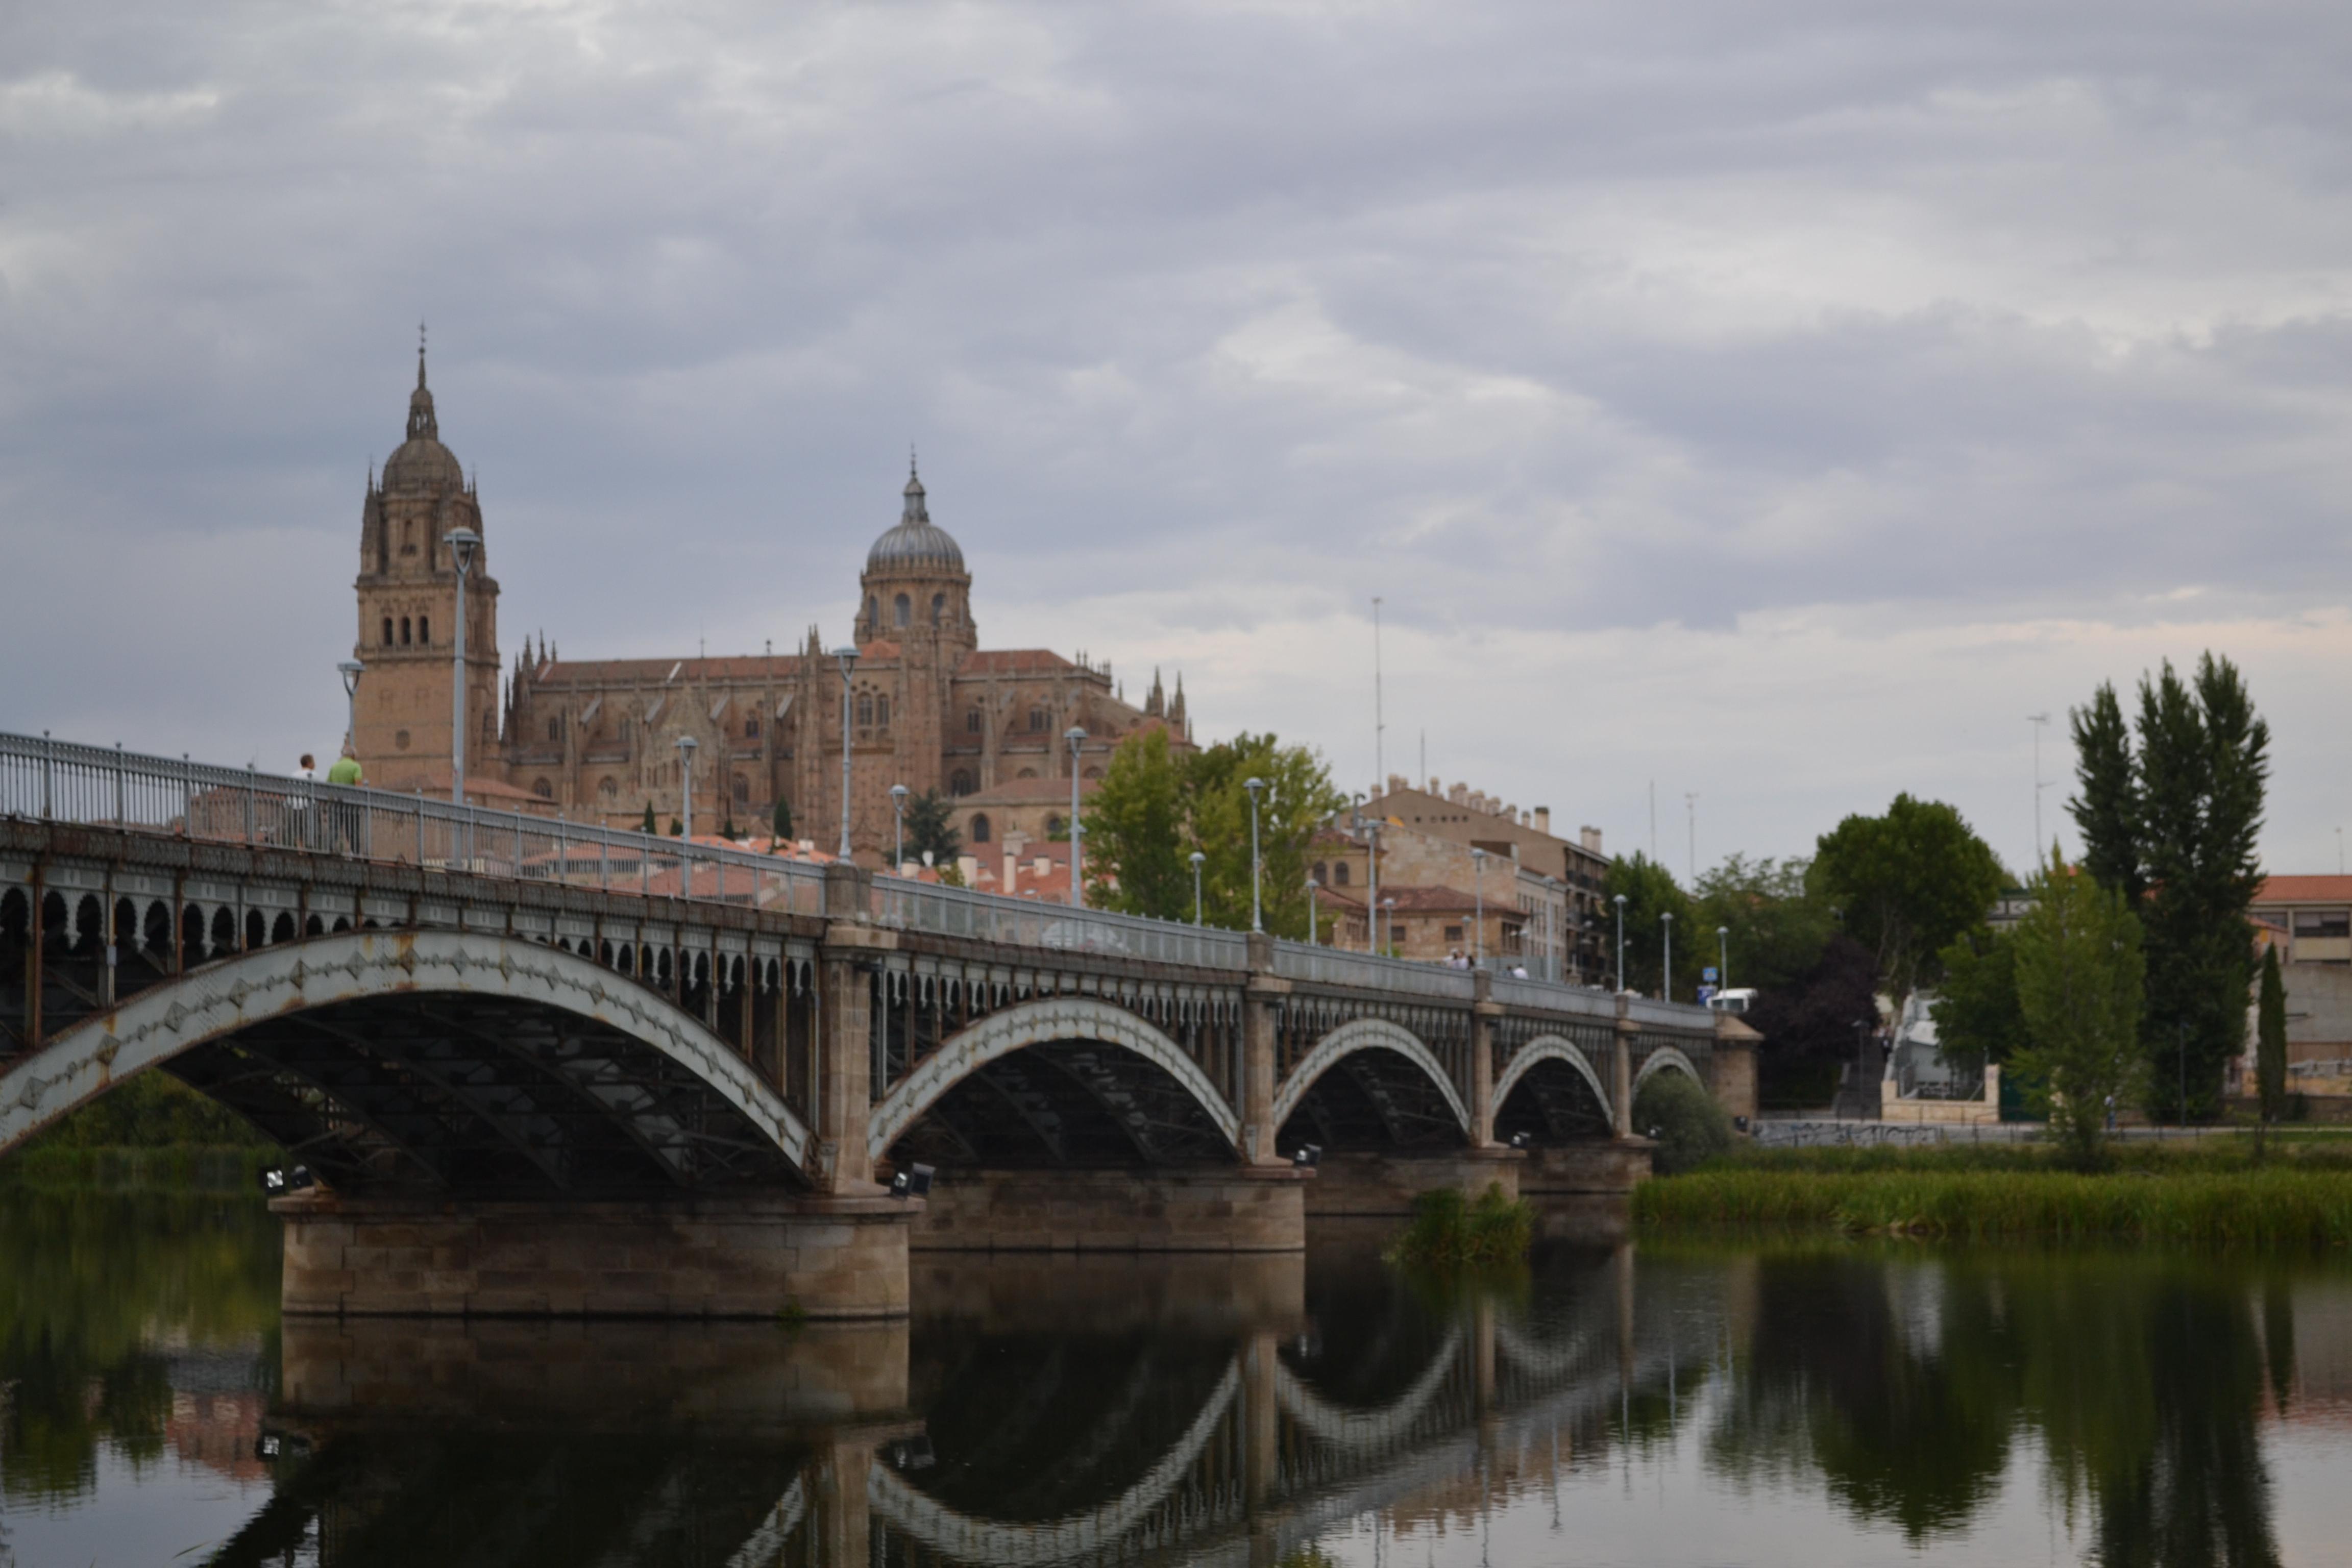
(1707, 974)
(1706, 994)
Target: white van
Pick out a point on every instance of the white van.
(1735, 1001)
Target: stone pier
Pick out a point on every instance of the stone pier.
(1382, 1186)
(819, 1257)
(1246, 1208)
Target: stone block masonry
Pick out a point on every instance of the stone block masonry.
(1236, 1209)
(703, 1257)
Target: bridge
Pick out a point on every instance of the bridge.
(546, 1067)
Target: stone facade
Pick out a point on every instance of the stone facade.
(597, 740)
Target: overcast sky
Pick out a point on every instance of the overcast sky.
(1773, 402)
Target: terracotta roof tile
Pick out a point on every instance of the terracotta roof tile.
(2304, 890)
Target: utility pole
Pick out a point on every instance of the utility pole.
(1379, 711)
(1654, 821)
(2040, 721)
(1690, 803)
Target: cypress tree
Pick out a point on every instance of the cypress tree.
(2270, 1040)
(783, 818)
(2107, 811)
(647, 827)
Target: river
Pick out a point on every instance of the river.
(1814, 1404)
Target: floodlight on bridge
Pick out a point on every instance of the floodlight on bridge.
(914, 1181)
(280, 1180)
(1308, 1156)
(1521, 1140)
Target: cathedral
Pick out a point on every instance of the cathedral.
(598, 739)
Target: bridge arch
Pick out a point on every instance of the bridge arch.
(1365, 1035)
(1662, 1058)
(295, 982)
(1549, 1048)
(1045, 1021)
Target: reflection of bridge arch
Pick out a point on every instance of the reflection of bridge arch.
(1663, 1057)
(1549, 1049)
(1052, 1019)
(960, 1536)
(1365, 1035)
(1355, 1430)
(621, 1056)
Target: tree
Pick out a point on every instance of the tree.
(1978, 1018)
(1650, 893)
(1907, 885)
(782, 820)
(1808, 1025)
(2080, 971)
(2270, 1040)
(930, 826)
(2176, 837)
(1777, 926)
(647, 827)
(1141, 838)
(676, 831)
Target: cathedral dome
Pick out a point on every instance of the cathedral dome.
(422, 460)
(916, 541)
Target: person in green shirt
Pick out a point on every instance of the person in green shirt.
(345, 771)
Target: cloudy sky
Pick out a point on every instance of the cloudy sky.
(1777, 403)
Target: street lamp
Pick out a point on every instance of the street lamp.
(1478, 927)
(1388, 923)
(1723, 963)
(899, 809)
(351, 670)
(1313, 887)
(1258, 915)
(1076, 736)
(1197, 857)
(846, 657)
(686, 745)
(462, 543)
(1666, 992)
(1620, 942)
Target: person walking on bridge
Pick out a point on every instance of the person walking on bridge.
(344, 774)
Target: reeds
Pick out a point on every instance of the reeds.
(2266, 1206)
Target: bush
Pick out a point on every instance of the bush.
(1448, 1229)
(1688, 1125)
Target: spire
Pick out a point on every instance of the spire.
(914, 511)
(422, 425)
(1155, 705)
(1176, 706)
(420, 356)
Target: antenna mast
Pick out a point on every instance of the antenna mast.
(1380, 712)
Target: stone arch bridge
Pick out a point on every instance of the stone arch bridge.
(469, 1022)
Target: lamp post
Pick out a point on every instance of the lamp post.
(1666, 973)
(1478, 925)
(1620, 942)
(1313, 887)
(846, 657)
(462, 543)
(1257, 914)
(1197, 857)
(1076, 736)
(1723, 963)
(1388, 923)
(898, 841)
(351, 670)
(686, 745)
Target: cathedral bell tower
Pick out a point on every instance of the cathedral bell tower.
(407, 589)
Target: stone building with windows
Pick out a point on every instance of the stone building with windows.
(597, 740)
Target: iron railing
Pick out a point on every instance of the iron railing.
(1542, 997)
(1371, 972)
(1028, 922)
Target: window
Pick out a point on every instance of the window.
(742, 790)
(971, 722)
(541, 788)
(2323, 922)
(1454, 933)
(387, 631)
(882, 712)
(403, 631)
(1322, 873)
(1052, 824)
(865, 710)
(1037, 719)
(873, 612)
(752, 728)
(938, 608)
(902, 610)
(979, 829)
(1396, 935)
(424, 630)
(961, 782)
(1339, 875)
(555, 728)
(606, 789)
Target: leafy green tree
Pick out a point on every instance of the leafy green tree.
(782, 820)
(1650, 893)
(1978, 1017)
(2177, 840)
(2079, 975)
(1139, 830)
(1907, 885)
(2270, 1040)
(1777, 926)
(648, 828)
(930, 826)
(1153, 809)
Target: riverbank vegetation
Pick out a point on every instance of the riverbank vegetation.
(151, 1131)
(2224, 1192)
(1450, 1231)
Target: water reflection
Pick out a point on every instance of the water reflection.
(1061, 1410)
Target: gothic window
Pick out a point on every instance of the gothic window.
(624, 731)
(752, 728)
(606, 788)
(555, 728)
(1037, 719)
(961, 782)
(424, 630)
(1052, 824)
(403, 631)
(902, 610)
(387, 631)
(865, 710)
(979, 829)
(971, 722)
(1092, 774)
(1339, 875)
(742, 790)
(938, 608)
(873, 612)
(541, 788)
(882, 712)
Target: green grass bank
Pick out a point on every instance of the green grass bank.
(2216, 1192)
